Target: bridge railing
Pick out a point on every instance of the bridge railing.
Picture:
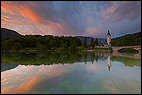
(139, 46)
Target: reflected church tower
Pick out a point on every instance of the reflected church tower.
(108, 62)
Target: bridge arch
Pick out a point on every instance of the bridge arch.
(116, 49)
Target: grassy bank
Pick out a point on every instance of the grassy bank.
(102, 48)
(128, 50)
(127, 61)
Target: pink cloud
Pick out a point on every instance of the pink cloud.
(24, 14)
(121, 10)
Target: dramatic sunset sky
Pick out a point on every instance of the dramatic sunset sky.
(75, 18)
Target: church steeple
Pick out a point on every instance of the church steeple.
(108, 33)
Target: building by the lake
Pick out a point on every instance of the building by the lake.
(108, 38)
(105, 43)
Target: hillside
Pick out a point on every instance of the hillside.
(127, 40)
(89, 39)
(6, 33)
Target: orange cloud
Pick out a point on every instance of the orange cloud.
(18, 14)
(21, 8)
(30, 13)
(16, 83)
(4, 16)
(56, 28)
(6, 6)
(23, 88)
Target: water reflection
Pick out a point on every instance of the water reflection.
(65, 58)
(108, 62)
(7, 66)
(71, 73)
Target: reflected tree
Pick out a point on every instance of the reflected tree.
(92, 57)
(96, 58)
(85, 58)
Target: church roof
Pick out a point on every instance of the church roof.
(108, 33)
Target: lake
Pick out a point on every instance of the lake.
(70, 73)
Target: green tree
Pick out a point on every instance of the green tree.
(46, 42)
(96, 42)
(92, 44)
(127, 40)
(72, 46)
(85, 42)
(64, 45)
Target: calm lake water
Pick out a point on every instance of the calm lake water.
(71, 73)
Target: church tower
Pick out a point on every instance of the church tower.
(108, 38)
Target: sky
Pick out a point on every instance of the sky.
(72, 18)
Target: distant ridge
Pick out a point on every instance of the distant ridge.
(7, 33)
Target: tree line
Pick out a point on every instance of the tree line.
(92, 43)
(47, 42)
(127, 40)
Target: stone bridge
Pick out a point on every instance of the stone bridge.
(115, 49)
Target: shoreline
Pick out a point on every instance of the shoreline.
(33, 50)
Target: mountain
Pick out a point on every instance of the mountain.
(127, 40)
(89, 39)
(6, 33)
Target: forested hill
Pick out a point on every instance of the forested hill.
(127, 40)
(6, 33)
